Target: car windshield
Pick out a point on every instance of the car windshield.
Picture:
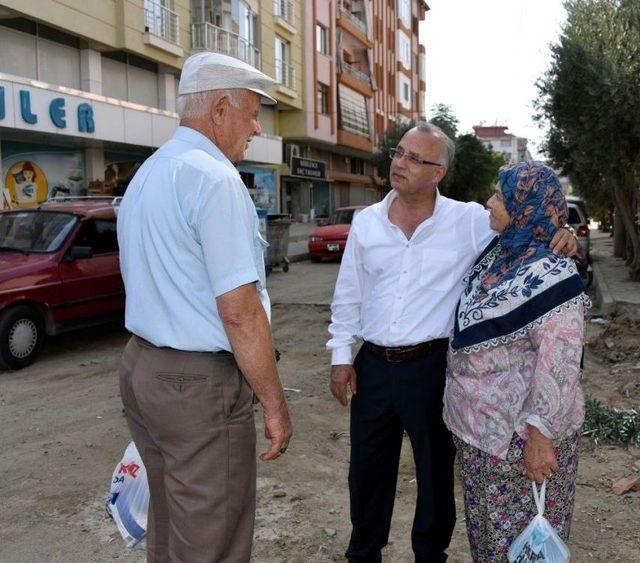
(343, 217)
(34, 231)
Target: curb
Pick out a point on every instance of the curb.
(603, 295)
(298, 257)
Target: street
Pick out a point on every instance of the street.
(63, 432)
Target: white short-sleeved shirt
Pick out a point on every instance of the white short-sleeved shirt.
(188, 233)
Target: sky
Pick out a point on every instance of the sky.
(483, 58)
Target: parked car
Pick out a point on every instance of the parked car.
(329, 240)
(579, 221)
(59, 271)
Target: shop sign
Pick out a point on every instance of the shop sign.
(57, 112)
(307, 168)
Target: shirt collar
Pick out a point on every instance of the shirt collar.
(197, 139)
(388, 200)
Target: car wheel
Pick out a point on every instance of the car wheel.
(21, 336)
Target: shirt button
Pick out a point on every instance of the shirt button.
(404, 271)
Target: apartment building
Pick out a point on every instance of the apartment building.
(496, 138)
(87, 91)
(363, 72)
(263, 34)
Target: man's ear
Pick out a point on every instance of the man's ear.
(219, 109)
(442, 172)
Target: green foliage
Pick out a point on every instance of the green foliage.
(590, 101)
(474, 171)
(381, 157)
(443, 117)
(611, 426)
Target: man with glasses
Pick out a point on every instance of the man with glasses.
(397, 289)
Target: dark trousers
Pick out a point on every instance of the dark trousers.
(392, 398)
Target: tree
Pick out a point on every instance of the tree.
(443, 117)
(474, 170)
(590, 101)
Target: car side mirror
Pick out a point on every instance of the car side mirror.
(80, 253)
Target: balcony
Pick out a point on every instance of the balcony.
(356, 79)
(283, 9)
(355, 20)
(208, 37)
(356, 73)
(161, 21)
(285, 75)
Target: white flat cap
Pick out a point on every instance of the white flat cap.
(214, 71)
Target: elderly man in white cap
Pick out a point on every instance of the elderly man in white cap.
(192, 264)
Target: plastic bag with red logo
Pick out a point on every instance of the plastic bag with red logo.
(128, 499)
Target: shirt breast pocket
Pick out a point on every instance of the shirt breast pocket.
(438, 270)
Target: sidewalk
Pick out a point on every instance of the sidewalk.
(298, 241)
(614, 290)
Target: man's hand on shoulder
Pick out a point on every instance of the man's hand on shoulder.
(564, 243)
(343, 377)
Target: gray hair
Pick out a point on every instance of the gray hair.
(193, 106)
(449, 147)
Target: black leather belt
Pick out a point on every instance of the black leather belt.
(404, 353)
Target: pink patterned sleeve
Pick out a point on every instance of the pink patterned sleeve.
(555, 404)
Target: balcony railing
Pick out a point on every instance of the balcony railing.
(161, 21)
(208, 37)
(356, 73)
(285, 74)
(283, 9)
(353, 18)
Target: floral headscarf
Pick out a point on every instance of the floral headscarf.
(534, 200)
(518, 281)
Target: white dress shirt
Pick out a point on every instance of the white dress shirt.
(188, 233)
(395, 291)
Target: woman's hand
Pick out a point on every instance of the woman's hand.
(539, 456)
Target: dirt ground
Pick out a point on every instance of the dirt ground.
(62, 432)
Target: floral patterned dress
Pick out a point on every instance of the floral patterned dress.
(492, 394)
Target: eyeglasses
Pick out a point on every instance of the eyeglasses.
(399, 152)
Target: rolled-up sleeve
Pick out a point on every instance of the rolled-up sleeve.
(555, 403)
(226, 233)
(347, 301)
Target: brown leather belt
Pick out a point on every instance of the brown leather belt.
(404, 353)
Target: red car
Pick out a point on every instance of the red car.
(329, 241)
(59, 271)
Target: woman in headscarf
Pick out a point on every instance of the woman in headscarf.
(513, 398)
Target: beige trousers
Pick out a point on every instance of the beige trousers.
(191, 418)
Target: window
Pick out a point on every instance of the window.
(404, 50)
(323, 99)
(36, 51)
(129, 77)
(356, 166)
(100, 235)
(505, 143)
(322, 40)
(284, 71)
(404, 12)
(404, 87)
(354, 116)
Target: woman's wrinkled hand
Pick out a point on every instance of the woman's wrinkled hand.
(539, 456)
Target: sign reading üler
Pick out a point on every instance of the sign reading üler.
(57, 112)
(307, 168)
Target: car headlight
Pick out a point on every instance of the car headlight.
(315, 239)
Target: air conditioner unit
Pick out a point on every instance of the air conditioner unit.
(291, 150)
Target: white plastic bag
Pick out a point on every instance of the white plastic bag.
(539, 541)
(128, 499)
